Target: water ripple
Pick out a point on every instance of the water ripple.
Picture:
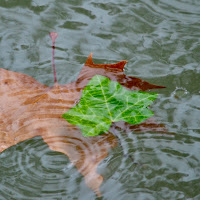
(33, 171)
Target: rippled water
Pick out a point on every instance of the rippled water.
(161, 41)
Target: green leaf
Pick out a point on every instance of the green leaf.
(104, 101)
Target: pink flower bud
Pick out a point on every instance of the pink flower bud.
(53, 36)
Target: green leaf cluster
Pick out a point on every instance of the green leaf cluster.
(104, 101)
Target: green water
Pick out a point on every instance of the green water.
(161, 41)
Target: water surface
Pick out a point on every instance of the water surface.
(161, 41)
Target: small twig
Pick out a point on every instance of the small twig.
(53, 36)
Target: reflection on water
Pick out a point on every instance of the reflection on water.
(160, 40)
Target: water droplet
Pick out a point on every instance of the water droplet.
(180, 93)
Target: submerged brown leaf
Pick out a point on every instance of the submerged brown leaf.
(29, 109)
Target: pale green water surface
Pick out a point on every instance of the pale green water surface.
(161, 41)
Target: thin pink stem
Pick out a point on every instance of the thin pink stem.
(54, 67)
(53, 36)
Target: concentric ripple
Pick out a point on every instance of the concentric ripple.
(33, 171)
